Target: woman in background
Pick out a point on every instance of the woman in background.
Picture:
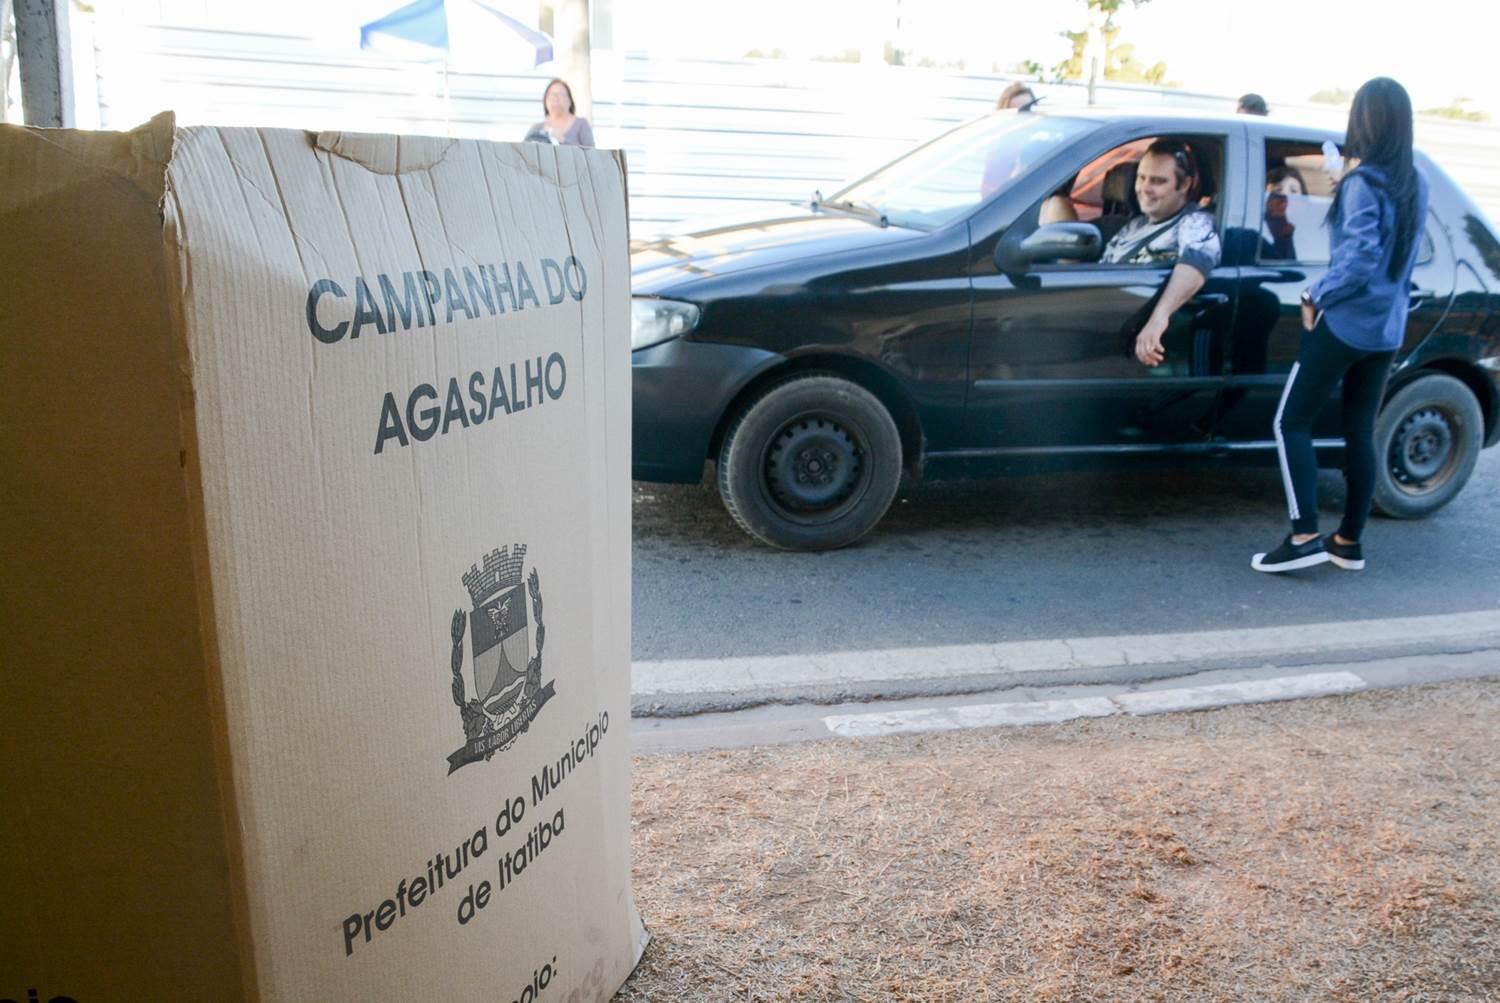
(562, 126)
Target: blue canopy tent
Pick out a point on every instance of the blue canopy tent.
(468, 31)
(425, 24)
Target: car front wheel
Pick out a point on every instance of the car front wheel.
(811, 464)
(1427, 441)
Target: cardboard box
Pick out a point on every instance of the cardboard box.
(315, 678)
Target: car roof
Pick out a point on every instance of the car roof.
(1187, 118)
(1307, 129)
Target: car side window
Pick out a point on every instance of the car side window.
(1103, 191)
(1428, 250)
(1106, 192)
(1294, 204)
(1298, 195)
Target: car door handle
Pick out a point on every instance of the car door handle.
(1200, 305)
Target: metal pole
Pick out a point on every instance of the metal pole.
(46, 69)
(1095, 49)
(7, 57)
(574, 51)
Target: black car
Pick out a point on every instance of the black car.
(926, 319)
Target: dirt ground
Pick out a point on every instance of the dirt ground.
(1346, 848)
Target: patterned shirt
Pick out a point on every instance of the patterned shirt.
(1190, 240)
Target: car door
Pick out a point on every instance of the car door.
(1268, 326)
(1051, 359)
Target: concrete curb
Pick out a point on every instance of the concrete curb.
(691, 686)
(1188, 698)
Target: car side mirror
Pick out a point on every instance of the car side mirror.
(1048, 243)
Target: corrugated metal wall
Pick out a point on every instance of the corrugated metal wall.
(701, 137)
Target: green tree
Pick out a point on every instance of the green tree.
(1099, 53)
(1335, 95)
(1120, 64)
(1029, 68)
(847, 56)
(1457, 110)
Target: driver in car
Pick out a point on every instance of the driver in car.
(1171, 228)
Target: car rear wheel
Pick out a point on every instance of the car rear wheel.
(1427, 441)
(811, 464)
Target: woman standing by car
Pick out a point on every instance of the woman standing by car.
(1354, 319)
(562, 125)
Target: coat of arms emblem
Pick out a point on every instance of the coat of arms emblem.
(507, 680)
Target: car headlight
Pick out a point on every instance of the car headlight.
(653, 321)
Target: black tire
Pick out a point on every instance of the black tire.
(1427, 441)
(811, 464)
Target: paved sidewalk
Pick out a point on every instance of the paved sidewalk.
(693, 686)
(1342, 848)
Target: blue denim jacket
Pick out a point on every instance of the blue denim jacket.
(1366, 308)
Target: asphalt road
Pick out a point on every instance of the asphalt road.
(1043, 556)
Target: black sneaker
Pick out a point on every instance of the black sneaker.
(1346, 555)
(1291, 556)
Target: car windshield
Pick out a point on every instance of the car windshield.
(943, 180)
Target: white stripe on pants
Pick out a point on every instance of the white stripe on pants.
(1286, 470)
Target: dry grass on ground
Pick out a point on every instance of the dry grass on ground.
(1336, 849)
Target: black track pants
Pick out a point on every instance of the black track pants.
(1321, 360)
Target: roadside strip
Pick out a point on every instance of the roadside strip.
(692, 686)
(778, 724)
(1056, 711)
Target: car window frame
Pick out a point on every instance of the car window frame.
(1427, 249)
(1092, 160)
(1222, 210)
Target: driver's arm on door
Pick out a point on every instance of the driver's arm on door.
(1198, 253)
(1181, 287)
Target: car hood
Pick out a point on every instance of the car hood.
(661, 265)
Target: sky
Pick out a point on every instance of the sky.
(1440, 49)
(1288, 51)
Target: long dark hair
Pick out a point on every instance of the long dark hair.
(1380, 135)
